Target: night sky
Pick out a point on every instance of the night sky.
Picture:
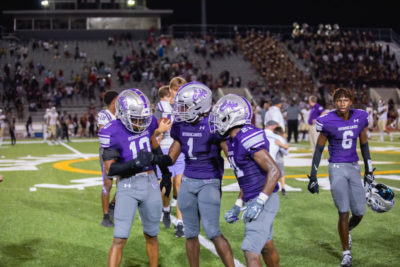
(265, 12)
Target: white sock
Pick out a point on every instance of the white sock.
(381, 134)
(1, 141)
(167, 209)
(179, 222)
(346, 252)
(391, 137)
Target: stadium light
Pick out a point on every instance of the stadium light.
(44, 3)
(130, 3)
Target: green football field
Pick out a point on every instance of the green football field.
(51, 213)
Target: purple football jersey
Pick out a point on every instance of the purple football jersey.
(114, 135)
(316, 110)
(201, 149)
(342, 135)
(251, 177)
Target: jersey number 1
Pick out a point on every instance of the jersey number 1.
(238, 172)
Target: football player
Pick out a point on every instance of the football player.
(257, 175)
(103, 117)
(2, 118)
(164, 110)
(342, 127)
(199, 196)
(127, 143)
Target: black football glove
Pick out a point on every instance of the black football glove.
(143, 159)
(313, 186)
(369, 177)
(166, 182)
(163, 161)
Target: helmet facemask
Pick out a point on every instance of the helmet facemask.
(230, 111)
(133, 109)
(191, 101)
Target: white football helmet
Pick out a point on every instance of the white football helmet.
(133, 109)
(192, 100)
(231, 110)
(380, 197)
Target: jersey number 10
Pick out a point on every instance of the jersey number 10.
(144, 144)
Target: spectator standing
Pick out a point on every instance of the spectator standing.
(316, 111)
(392, 118)
(264, 110)
(293, 112)
(2, 124)
(83, 122)
(370, 111)
(274, 113)
(64, 126)
(382, 118)
(75, 124)
(53, 119)
(46, 126)
(28, 127)
(91, 125)
(11, 128)
(304, 126)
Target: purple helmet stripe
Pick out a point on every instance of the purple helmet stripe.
(248, 105)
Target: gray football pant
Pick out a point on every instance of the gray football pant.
(200, 199)
(143, 192)
(346, 187)
(258, 232)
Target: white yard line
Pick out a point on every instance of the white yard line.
(22, 141)
(74, 150)
(208, 244)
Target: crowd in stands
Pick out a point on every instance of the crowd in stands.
(334, 57)
(157, 60)
(345, 58)
(269, 58)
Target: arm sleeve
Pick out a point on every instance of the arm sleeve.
(124, 169)
(316, 159)
(367, 157)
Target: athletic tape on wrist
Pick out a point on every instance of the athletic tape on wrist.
(264, 197)
(239, 202)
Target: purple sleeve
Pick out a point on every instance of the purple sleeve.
(320, 125)
(107, 137)
(255, 142)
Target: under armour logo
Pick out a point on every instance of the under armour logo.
(127, 185)
(355, 120)
(202, 128)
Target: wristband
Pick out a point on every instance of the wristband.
(370, 169)
(239, 202)
(264, 197)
